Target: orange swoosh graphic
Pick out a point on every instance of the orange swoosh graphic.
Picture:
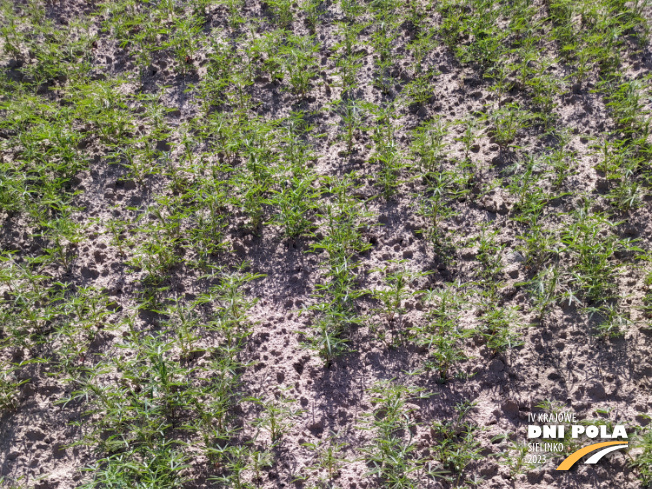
(575, 456)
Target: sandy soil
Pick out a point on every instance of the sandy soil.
(559, 360)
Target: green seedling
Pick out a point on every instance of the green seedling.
(499, 329)
(327, 460)
(387, 153)
(352, 116)
(389, 455)
(295, 202)
(515, 457)
(312, 10)
(429, 146)
(282, 12)
(457, 445)
(398, 279)
(643, 462)
(276, 417)
(10, 383)
(506, 122)
(442, 333)
(298, 54)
